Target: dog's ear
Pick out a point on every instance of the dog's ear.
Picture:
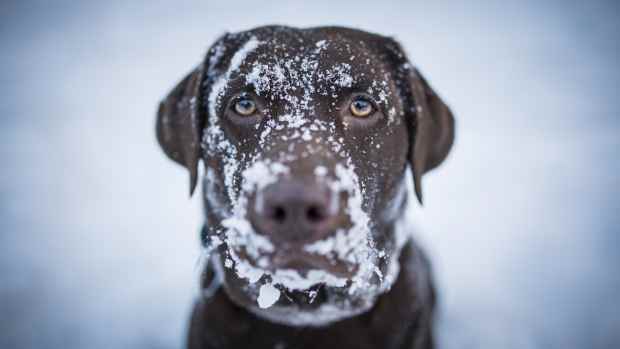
(431, 123)
(179, 124)
(434, 130)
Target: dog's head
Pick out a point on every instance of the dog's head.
(306, 135)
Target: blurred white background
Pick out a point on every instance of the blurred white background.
(100, 242)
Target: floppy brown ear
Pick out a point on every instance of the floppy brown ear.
(178, 124)
(434, 129)
(430, 121)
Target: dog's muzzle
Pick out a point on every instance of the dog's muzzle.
(292, 214)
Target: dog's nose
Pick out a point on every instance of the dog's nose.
(295, 212)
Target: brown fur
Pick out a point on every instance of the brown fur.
(401, 317)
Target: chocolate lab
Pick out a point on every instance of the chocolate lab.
(307, 137)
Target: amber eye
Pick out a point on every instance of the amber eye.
(361, 107)
(245, 106)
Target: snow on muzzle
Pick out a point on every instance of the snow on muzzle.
(295, 233)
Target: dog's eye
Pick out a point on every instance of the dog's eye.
(361, 107)
(244, 106)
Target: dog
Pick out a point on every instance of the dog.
(309, 139)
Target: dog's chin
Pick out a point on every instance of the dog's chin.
(306, 286)
(317, 306)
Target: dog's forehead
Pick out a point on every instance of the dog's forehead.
(314, 56)
(337, 43)
(330, 48)
(300, 69)
(303, 78)
(295, 51)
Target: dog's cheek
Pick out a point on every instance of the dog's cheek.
(240, 291)
(389, 164)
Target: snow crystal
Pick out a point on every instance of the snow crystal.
(267, 296)
(235, 62)
(320, 171)
(218, 52)
(341, 73)
(214, 140)
(321, 44)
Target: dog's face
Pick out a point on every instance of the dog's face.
(306, 135)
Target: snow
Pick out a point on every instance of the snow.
(321, 45)
(354, 245)
(267, 296)
(236, 60)
(320, 171)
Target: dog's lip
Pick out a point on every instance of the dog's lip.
(310, 298)
(294, 257)
(302, 261)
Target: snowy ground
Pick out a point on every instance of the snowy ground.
(99, 242)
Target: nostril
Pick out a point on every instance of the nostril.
(315, 214)
(279, 214)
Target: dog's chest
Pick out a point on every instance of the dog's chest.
(221, 325)
(218, 324)
(400, 319)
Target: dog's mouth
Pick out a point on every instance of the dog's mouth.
(302, 261)
(296, 259)
(310, 298)
(317, 281)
